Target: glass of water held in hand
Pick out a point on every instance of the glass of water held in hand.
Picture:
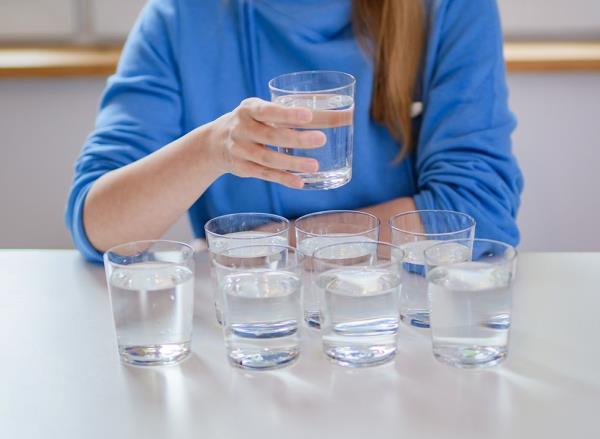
(151, 285)
(471, 300)
(330, 96)
(415, 232)
(325, 228)
(261, 288)
(359, 301)
(242, 229)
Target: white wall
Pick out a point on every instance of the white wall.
(31, 19)
(67, 20)
(558, 146)
(111, 19)
(551, 18)
(98, 20)
(42, 126)
(44, 122)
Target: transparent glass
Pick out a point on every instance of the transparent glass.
(151, 285)
(242, 229)
(359, 283)
(325, 228)
(261, 288)
(330, 96)
(470, 287)
(415, 232)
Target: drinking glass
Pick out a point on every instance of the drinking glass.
(324, 228)
(359, 284)
(330, 96)
(415, 232)
(261, 288)
(151, 286)
(470, 287)
(241, 229)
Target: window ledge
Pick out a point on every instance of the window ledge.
(33, 62)
(555, 56)
(101, 61)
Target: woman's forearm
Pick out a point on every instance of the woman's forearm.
(385, 211)
(143, 199)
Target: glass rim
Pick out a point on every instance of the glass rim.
(378, 243)
(506, 245)
(147, 241)
(269, 215)
(282, 246)
(309, 215)
(412, 212)
(351, 83)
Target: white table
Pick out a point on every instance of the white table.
(60, 376)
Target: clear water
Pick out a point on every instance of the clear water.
(360, 316)
(240, 239)
(231, 240)
(333, 114)
(263, 314)
(153, 306)
(310, 301)
(470, 316)
(414, 302)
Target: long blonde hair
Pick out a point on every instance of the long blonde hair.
(393, 31)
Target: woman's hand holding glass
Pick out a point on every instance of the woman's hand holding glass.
(121, 205)
(240, 140)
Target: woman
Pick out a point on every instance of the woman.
(184, 121)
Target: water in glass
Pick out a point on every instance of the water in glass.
(311, 301)
(261, 328)
(237, 239)
(153, 310)
(333, 114)
(414, 304)
(470, 316)
(414, 301)
(361, 322)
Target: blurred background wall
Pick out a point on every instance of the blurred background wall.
(44, 121)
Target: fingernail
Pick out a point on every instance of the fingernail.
(318, 138)
(299, 184)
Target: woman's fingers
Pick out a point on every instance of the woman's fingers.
(270, 113)
(272, 159)
(285, 137)
(257, 123)
(250, 169)
(268, 123)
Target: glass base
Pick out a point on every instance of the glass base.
(419, 319)
(313, 319)
(471, 356)
(155, 355)
(326, 180)
(266, 359)
(360, 356)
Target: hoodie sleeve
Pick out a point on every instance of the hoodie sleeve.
(140, 111)
(464, 157)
